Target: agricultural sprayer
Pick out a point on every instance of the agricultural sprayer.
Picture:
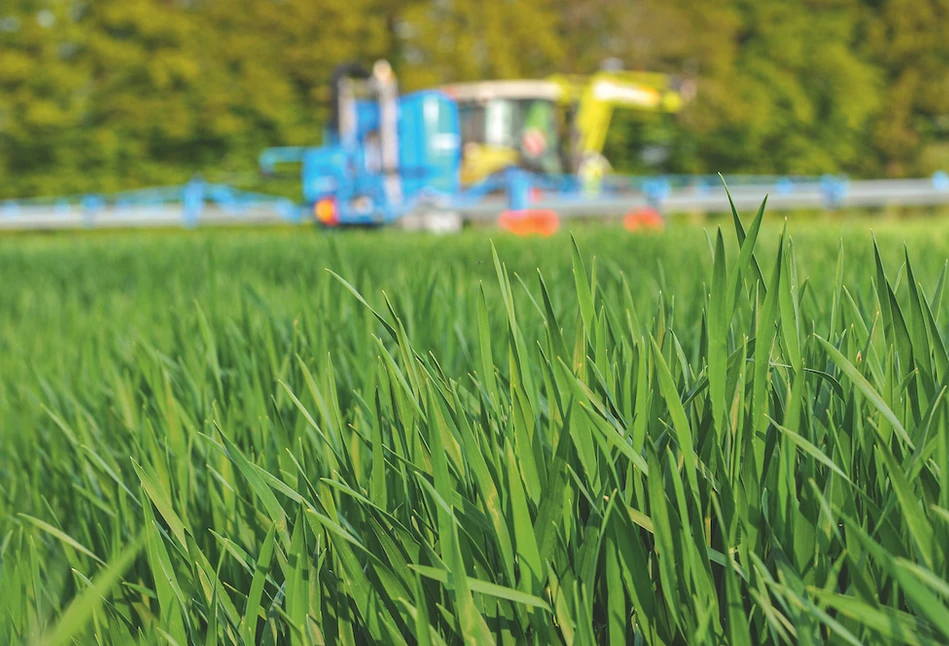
(495, 146)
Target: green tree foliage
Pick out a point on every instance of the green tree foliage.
(800, 95)
(908, 40)
(461, 40)
(114, 94)
(125, 93)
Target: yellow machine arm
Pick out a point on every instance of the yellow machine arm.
(596, 97)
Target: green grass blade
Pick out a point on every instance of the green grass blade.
(80, 611)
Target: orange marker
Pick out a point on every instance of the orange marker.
(644, 219)
(542, 222)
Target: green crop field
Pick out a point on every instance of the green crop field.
(729, 435)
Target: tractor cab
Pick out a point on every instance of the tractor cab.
(556, 125)
(510, 123)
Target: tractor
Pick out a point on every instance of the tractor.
(386, 154)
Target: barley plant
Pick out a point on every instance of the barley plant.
(653, 440)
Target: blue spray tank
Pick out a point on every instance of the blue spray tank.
(383, 154)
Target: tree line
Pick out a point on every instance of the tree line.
(107, 95)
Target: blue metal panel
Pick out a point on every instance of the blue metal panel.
(410, 146)
(324, 174)
(430, 143)
(443, 140)
(367, 118)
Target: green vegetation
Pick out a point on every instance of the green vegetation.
(741, 438)
(118, 94)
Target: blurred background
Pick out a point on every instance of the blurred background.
(109, 95)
